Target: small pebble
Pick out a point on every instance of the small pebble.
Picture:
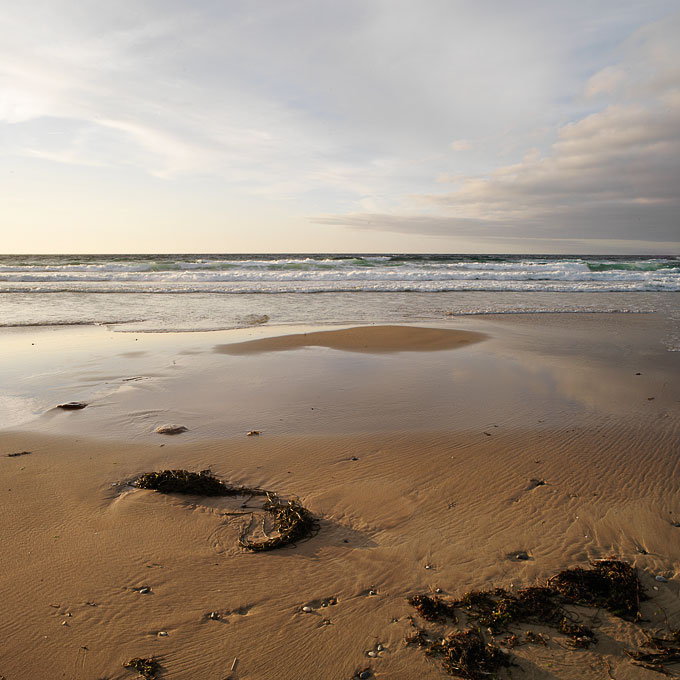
(437, 590)
(144, 590)
(171, 429)
(306, 609)
(380, 648)
(661, 579)
(364, 674)
(428, 566)
(373, 654)
(252, 433)
(372, 592)
(214, 616)
(162, 633)
(354, 458)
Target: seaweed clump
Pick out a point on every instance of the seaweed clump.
(610, 584)
(432, 608)
(147, 668)
(467, 655)
(419, 637)
(497, 610)
(581, 636)
(666, 651)
(292, 521)
(182, 481)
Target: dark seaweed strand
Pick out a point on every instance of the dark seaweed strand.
(147, 668)
(291, 519)
(497, 609)
(183, 481)
(611, 584)
(665, 651)
(433, 608)
(467, 655)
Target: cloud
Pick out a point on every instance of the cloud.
(342, 108)
(478, 235)
(287, 86)
(606, 81)
(613, 174)
(461, 145)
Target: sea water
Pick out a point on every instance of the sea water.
(48, 354)
(180, 292)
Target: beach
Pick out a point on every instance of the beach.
(340, 340)
(431, 455)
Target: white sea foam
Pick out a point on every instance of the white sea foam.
(203, 292)
(325, 274)
(303, 285)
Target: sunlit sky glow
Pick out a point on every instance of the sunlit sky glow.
(353, 126)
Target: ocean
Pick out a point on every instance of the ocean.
(200, 292)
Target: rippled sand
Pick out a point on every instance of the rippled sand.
(420, 466)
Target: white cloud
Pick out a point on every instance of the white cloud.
(341, 107)
(461, 145)
(357, 81)
(606, 81)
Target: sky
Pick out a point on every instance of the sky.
(532, 126)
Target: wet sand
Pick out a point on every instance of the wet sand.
(369, 339)
(446, 443)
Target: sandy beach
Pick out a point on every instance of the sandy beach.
(340, 340)
(431, 457)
